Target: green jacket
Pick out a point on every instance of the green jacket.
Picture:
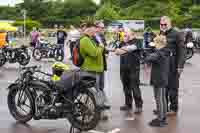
(92, 54)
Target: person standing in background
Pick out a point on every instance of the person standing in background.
(34, 35)
(61, 36)
(73, 36)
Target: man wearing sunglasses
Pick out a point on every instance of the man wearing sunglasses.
(175, 42)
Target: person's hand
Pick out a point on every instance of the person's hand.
(119, 51)
(180, 70)
(110, 49)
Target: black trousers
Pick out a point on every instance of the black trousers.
(173, 86)
(172, 99)
(131, 79)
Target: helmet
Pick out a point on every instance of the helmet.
(58, 68)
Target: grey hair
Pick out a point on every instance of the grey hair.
(166, 18)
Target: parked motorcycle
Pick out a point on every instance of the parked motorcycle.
(13, 55)
(31, 97)
(48, 51)
(189, 50)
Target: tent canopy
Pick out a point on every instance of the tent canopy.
(7, 27)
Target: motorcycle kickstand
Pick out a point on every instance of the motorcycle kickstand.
(72, 130)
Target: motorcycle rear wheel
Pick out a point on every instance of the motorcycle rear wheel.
(2, 60)
(82, 111)
(189, 53)
(24, 59)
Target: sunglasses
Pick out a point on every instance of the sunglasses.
(163, 24)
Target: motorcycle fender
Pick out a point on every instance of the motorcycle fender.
(11, 86)
(97, 95)
(39, 85)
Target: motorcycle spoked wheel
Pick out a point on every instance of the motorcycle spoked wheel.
(37, 54)
(58, 54)
(189, 54)
(17, 100)
(86, 114)
(2, 59)
(24, 59)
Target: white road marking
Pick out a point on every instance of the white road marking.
(94, 131)
(114, 130)
(130, 119)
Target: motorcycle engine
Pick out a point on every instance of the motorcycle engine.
(44, 107)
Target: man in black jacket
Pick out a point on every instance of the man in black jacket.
(130, 72)
(176, 45)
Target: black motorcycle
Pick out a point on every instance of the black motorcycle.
(13, 55)
(48, 51)
(30, 97)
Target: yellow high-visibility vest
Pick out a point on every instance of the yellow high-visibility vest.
(121, 36)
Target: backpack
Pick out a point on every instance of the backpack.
(77, 58)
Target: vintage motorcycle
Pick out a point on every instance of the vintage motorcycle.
(13, 55)
(47, 50)
(31, 97)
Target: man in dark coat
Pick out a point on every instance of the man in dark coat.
(176, 45)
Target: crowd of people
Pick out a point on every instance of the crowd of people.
(167, 62)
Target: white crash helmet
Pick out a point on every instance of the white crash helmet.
(190, 45)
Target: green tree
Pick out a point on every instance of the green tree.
(107, 13)
(36, 9)
(7, 12)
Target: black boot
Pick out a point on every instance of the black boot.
(125, 108)
(158, 122)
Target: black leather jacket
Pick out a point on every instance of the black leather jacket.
(160, 67)
(130, 59)
(175, 42)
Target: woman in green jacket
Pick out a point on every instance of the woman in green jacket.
(93, 63)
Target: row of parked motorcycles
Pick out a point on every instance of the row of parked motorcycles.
(21, 55)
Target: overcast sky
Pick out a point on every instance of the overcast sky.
(12, 2)
(6, 2)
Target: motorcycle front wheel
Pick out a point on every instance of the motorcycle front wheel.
(59, 54)
(20, 104)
